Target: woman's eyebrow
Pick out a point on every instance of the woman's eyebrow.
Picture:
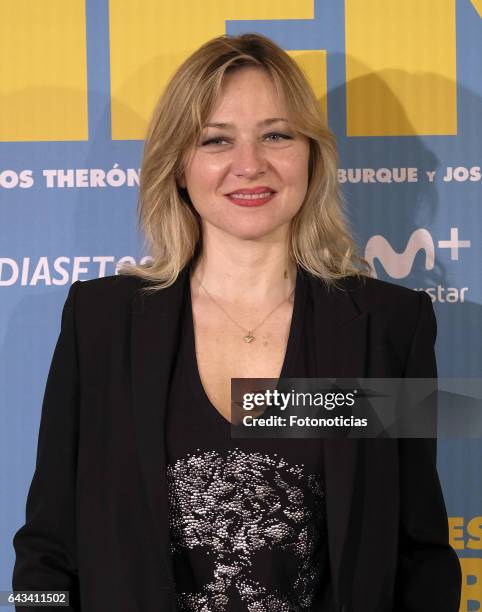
(263, 122)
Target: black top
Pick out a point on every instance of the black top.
(247, 516)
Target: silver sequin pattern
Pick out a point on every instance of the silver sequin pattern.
(235, 504)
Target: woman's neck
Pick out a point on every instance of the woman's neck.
(247, 281)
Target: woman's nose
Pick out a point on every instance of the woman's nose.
(248, 159)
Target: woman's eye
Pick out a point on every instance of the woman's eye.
(276, 135)
(282, 136)
(211, 141)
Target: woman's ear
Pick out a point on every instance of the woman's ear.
(181, 182)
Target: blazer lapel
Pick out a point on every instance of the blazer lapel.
(340, 351)
(154, 333)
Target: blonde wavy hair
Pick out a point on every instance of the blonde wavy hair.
(319, 239)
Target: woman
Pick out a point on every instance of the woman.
(141, 500)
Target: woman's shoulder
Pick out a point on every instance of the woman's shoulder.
(115, 287)
(368, 291)
(391, 306)
(372, 293)
(106, 301)
(399, 310)
(116, 291)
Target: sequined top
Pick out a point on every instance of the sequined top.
(247, 516)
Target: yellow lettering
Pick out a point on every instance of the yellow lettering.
(471, 584)
(149, 39)
(474, 529)
(478, 6)
(456, 532)
(44, 70)
(401, 64)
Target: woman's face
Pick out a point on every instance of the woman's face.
(250, 152)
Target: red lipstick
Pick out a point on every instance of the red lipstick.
(251, 197)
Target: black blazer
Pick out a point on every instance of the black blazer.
(97, 512)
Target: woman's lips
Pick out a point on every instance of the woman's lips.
(250, 200)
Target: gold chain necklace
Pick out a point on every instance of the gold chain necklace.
(249, 335)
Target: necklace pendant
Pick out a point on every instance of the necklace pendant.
(248, 338)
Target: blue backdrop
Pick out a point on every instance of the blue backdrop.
(401, 85)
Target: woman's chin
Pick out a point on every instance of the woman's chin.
(254, 234)
(252, 231)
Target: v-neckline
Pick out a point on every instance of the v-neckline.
(290, 352)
